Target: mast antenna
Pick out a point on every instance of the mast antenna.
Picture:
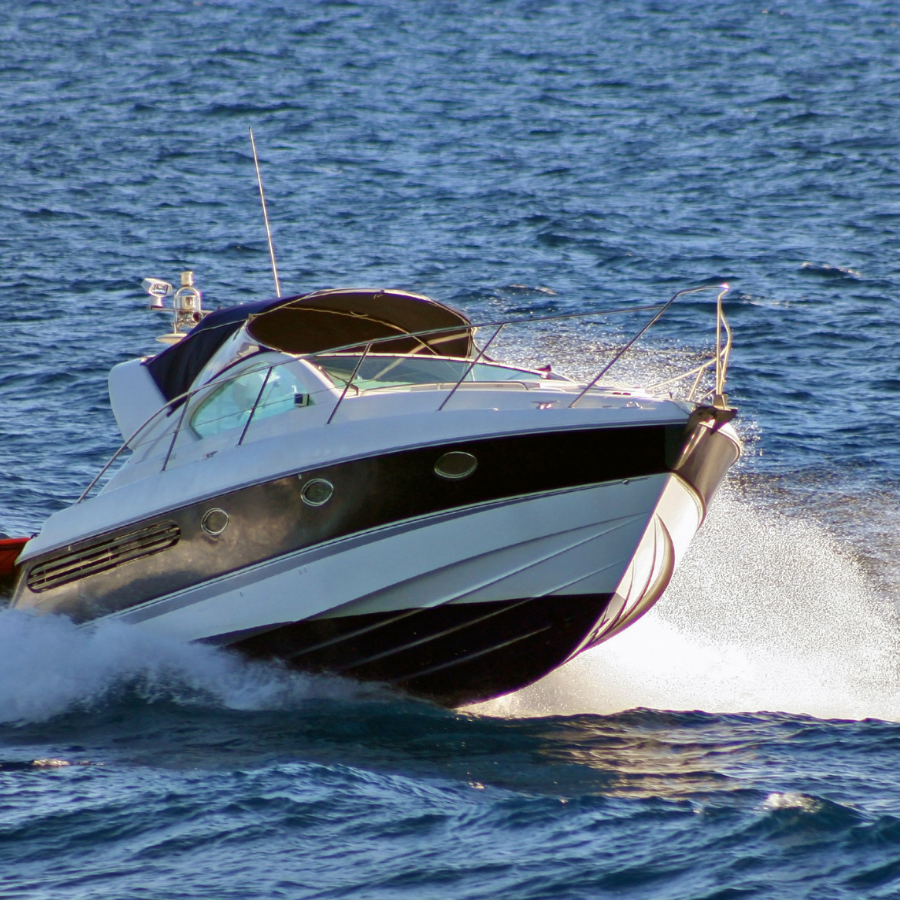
(262, 198)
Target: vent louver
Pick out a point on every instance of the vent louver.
(103, 555)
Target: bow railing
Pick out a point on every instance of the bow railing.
(153, 430)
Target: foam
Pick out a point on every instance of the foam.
(765, 613)
(49, 666)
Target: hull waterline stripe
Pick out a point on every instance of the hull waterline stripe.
(425, 640)
(464, 659)
(537, 636)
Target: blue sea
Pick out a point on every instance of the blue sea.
(509, 157)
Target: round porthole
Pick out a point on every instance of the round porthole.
(214, 522)
(456, 465)
(317, 492)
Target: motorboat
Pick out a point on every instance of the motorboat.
(348, 481)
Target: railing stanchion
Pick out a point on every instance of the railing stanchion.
(632, 342)
(472, 365)
(722, 352)
(117, 454)
(175, 434)
(719, 343)
(696, 383)
(255, 404)
(359, 362)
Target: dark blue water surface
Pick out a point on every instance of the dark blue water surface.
(515, 157)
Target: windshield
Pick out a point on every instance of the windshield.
(228, 405)
(380, 371)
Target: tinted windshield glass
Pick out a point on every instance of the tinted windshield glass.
(229, 405)
(388, 371)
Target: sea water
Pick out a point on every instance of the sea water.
(509, 158)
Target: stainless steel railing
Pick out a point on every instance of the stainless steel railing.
(719, 360)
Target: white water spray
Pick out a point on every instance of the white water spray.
(766, 613)
(49, 666)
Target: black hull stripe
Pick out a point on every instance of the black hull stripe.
(398, 649)
(271, 520)
(449, 664)
(249, 576)
(453, 654)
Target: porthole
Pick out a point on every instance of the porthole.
(456, 465)
(214, 521)
(317, 492)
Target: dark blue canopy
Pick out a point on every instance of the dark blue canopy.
(312, 323)
(175, 369)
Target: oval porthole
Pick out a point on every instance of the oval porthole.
(214, 521)
(455, 465)
(317, 492)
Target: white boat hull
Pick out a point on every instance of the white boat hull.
(410, 604)
(454, 591)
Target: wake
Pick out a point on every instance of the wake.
(765, 613)
(49, 666)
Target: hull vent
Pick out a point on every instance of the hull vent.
(103, 555)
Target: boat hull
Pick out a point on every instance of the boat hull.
(453, 654)
(464, 591)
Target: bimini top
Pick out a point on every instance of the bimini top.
(312, 323)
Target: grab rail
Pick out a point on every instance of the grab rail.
(723, 289)
(356, 368)
(720, 360)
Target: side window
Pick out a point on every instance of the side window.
(229, 405)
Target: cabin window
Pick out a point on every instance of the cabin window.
(228, 405)
(393, 371)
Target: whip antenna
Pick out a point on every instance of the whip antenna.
(262, 198)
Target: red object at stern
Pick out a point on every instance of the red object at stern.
(10, 548)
